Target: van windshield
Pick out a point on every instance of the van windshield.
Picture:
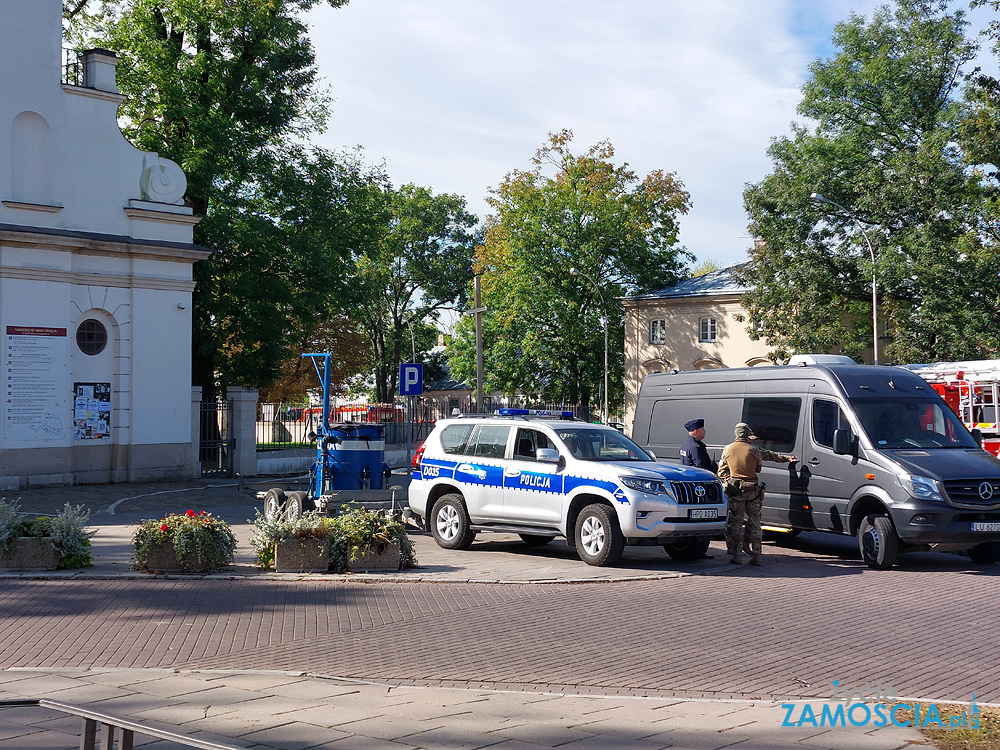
(911, 423)
(599, 444)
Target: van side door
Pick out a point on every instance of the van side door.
(828, 480)
(776, 420)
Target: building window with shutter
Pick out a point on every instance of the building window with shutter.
(707, 333)
(657, 332)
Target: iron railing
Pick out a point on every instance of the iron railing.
(74, 72)
(115, 728)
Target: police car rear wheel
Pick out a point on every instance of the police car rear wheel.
(535, 540)
(599, 541)
(687, 549)
(450, 523)
(878, 542)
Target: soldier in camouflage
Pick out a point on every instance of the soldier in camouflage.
(741, 460)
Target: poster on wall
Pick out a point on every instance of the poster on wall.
(92, 411)
(35, 374)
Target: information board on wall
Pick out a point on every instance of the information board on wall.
(35, 374)
(92, 411)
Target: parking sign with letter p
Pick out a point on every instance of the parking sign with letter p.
(411, 378)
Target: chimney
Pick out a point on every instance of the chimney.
(99, 70)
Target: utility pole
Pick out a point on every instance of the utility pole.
(478, 311)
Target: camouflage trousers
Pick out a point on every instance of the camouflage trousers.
(744, 504)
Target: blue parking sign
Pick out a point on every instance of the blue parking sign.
(411, 379)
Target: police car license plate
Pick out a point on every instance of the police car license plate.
(704, 513)
(980, 526)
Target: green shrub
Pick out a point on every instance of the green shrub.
(68, 531)
(354, 530)
(199, 540)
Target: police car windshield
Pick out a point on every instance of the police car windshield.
(911, 423)
(590, 444)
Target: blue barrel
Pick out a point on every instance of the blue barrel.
(359, 458)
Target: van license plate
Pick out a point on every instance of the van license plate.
(986, 526)
(711, 513)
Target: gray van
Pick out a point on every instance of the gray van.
(881, 456)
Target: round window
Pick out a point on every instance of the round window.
(91, 337)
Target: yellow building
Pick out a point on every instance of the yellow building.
(690, 326)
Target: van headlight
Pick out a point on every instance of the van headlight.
(922, 488)
(652, 486)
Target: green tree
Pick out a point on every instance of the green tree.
(882, 142)
(221, 87)
(419, 267)
(543, 333)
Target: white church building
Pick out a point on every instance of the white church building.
(96, 258)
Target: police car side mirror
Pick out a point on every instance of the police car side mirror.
(651, 455)
(843, 442)
(547, 455)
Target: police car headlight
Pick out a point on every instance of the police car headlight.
(922, 488)
(652, 486)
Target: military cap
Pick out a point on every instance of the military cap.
(694, 424)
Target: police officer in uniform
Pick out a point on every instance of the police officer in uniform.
(693, 451)
(741, 460)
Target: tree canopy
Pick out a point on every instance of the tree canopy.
(224, 88)
(543, 334)
(882, 140)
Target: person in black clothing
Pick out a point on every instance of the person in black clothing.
(693, 451)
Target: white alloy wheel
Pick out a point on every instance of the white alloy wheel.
(447, 521)
(593, 535)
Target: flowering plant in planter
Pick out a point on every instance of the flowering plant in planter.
(67, 532)
(201, 542)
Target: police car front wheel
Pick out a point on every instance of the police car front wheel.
(599, 541)
(450, 523)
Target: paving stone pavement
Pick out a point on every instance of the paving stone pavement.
(272, 708)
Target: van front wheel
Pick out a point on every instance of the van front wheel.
(878, 542)
(985, 553)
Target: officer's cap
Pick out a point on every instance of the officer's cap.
(694, 424)
(743, 432)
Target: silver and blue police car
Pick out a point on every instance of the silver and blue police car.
(543, 475)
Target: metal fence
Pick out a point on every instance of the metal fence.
(217, 442)
(74, 71)
(281, 425)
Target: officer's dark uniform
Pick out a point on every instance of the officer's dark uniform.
(693, 452)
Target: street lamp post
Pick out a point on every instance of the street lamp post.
(816, 197)
(604, 319)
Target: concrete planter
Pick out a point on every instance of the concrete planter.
(31, 553)
(302, 556)
(162, 558)
(371, 559)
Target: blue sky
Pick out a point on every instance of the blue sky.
(452, 94)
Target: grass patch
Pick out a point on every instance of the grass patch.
(985, 737)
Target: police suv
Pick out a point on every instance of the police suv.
(541, 475)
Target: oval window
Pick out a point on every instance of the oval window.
(91, 337)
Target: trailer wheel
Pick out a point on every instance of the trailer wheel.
(274, 503)
(295, 503)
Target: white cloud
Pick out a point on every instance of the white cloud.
(455, 93)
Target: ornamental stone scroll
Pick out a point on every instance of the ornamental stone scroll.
(161, 181)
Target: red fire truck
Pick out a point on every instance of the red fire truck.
(972, 390)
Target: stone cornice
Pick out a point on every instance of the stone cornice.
(93, 93)
(88, 243)
(95, 279)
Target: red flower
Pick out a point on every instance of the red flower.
(163, 527)
(190, 513)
